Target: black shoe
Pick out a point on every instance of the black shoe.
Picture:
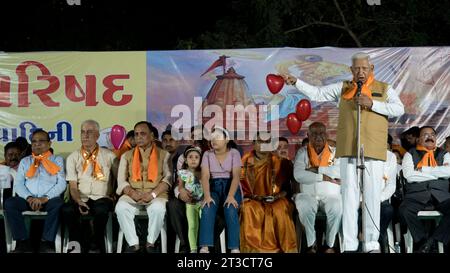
(184, 249)
(427, 246)
(94, 248)
(23, 246)
(47, 247)
(151, 249)
(133, 249)
(312, 249)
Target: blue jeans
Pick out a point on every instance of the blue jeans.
(219, 188)
(14, 207)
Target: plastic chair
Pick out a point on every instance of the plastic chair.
(108, 234)
(142, 214)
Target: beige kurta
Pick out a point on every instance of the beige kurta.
(89, 187)
(125, 167)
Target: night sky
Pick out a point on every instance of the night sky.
(99, 25)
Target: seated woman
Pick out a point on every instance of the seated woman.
(266, 213)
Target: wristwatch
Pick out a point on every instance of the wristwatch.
(153, 195)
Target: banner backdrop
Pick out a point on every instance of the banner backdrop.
(56, 91)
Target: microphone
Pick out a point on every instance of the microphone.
(358, 90)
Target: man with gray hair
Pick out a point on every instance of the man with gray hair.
(378, 101)
(89, 171)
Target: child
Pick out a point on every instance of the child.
(221, 169)
(188, 178)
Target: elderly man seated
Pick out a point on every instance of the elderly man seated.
(317, 171)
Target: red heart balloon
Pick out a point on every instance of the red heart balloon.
(275, 83)
(293, 123)
(303, 109)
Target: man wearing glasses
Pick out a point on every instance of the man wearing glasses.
(39, 183)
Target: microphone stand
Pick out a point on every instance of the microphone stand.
(360, 166)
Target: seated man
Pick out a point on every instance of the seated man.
(12, 158)
(266, 212)
(91, 186)
(426, 169)
(176, 215)
(39, 183)
(144, 179)
(318, 173)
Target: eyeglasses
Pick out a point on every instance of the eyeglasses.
(88, 132)
(36, 141)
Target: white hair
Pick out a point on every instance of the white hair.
(361, 56)
(93, 122)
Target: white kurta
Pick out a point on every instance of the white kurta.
(373, 175)
(390, 177)
(318, 194)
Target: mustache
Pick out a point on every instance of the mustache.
(429, 140)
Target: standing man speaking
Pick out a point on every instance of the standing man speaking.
(378, 101)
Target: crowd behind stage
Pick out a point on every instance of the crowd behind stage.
(159, 194)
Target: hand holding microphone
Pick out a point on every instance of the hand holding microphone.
(361, 98)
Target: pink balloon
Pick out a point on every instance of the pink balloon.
(117, 134)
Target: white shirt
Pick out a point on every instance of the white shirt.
(427, 173)
(311, 182)
(390, 175)
(393, 107)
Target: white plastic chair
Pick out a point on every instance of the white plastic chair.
(6, 177)
(8, 236)
(108, 234)
(143, 214)
(39, 215)
(423, 215)
(390, 234)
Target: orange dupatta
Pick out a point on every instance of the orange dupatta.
(314, 157)
(152, 168)
(126, 146)
(92, 157)
(349, 94)
(428, 159)
(48, 165)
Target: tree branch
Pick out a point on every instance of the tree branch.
(350, 32)
(344, 27)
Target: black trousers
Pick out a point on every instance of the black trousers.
(99, 210)
(176, 214)
(386, 215)
(408, 215)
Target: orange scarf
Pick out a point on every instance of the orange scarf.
(126, 146)
(152, 168)
(314, 158)
(92, 157)
(350, 93)
(48, 165)
(428, 159)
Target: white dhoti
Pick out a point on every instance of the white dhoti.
(351, 194)
(126, 209)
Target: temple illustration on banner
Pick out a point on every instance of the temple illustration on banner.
(230, 90)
